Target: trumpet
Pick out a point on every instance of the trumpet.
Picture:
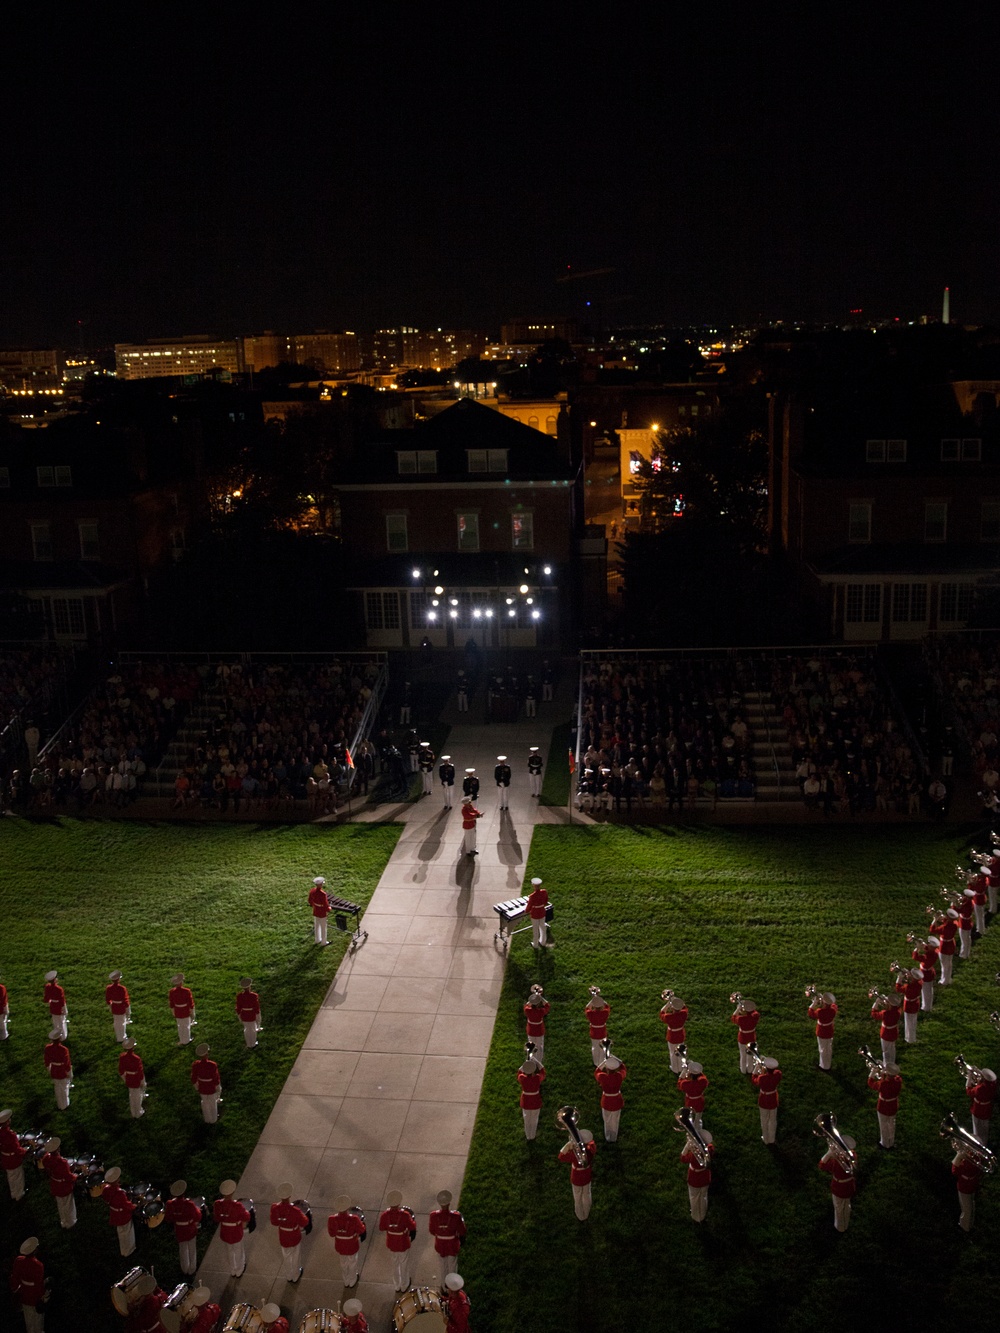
(876, 1069)
(756, 1059)
(825, 1127)
(667, 994)
(529, 1053)
(995, 1019)
(682, 1053)
(878, 995)
(951, 896)
(536, 995)
(969, 1071)
(737, 999)
(914, 939)
(685, 1125)
(963, 1141)
(811, 991)
(594, 990)
(964, 875)
(897, 966)
(567, 1118)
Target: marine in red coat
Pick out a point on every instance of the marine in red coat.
(538, 901)
(693, 1084)
(968, 1176)
(447, 1226)
(347, 1227)
(27, 1284)
(674, 1014)
(62, 1182)
(580, 1175)
(320, 904)
(746, 1019)
(181, 1001)
(185, 1216)
(205, 1077)
(12, 1156)
(291, 1221)
(248, 1012)
(981, 1089)
(60, 1066)
(699, 1175)
(457, 1305)
(842, 1184)
(120, 1210)
(55, 998)
(399, 1226)
(117, 999)
(536, 1010)
(823, 1011)
(610, 1075)
(132, 1074)
(597, 1012)
(233, 1218)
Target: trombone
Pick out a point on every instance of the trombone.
(963, 1141)
(685, 1125)
(825, 1127)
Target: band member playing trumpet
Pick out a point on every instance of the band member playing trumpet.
(840, 1168)
(965, 909)
(884, 1079)
(989, 865)
(981, 1089)
(536, 1011)
(766, 1079)
(580, 1151)
(447, 1226)
(597, 1012)
(611, 1074)
(693, 1084)
(55, 998)
(823, 1010)
(674, 1014)
(887, 1009)
(538, 901)
(746, 1019)
(698, 1161)
(925, 955)
(909, 983)
(944, 926)
(531, 1076)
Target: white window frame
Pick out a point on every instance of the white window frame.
(875, 451)
(427, 460)
(869, 603)
(895, 451)
(90, 539)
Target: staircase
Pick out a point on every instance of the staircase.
(774, 772)
(206, 708)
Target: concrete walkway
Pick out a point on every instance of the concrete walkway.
(384, 1092)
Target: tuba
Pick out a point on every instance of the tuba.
(876, 1068)
(963, 1141)
(685, 1125)
(567, 1118)
(825, 1127)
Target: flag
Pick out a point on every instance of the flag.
(350, 761)
(572, 761)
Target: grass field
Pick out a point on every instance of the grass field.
(215, 902)
(707, 912)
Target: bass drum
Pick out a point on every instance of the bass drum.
(124, 1296)
(321, 1321)
(244, 1319)
(419, 1310)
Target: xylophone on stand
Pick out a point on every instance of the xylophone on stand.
(342, 909)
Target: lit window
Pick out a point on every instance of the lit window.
(935, 521)
(522, 530)
(989, 523)
(468, 532)
(395, 532)
(41, 541)
(859, 521)
(89, 548)
(895, 451)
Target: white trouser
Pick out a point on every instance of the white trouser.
(135, 1096)
(746, 1060)
(250, 1033)
(404, 714)
(611, 1119)
(768, 1124)
(886, 1130)
(979, 912)
(188, 1251)
(841, 1213)
(237, 1257)
(825, 1045)
(414, 761)
(699, 1202)
(126, 1239)
(965, 943)
(889, 1052)
(33, 1321)
(539, 932)
(981, 1129)
(427, 782)
(596, 1050)
(401, 1269)
(529, 708)
(62, 1087)
(927, 996)
(349, 1270)
(531, 1123)
(469, 841)
(210, 1106)
(59, 1022)
(3, 1024)
(121, 1022)
(675, 1060)
(184, 1031)
(319, 927)
(66, 1204)
(947, 963)
(536, 784)
(15, 1182)
(503, 792)
(581, 1201)
(448, 1263)
(448, 792)
(967, 1203)
(909, 1027)
(290, 1266)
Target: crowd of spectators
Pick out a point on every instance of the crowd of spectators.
(662, 731)
(26, 675)
(969, 674)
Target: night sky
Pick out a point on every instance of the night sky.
(326, 167)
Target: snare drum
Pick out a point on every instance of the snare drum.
(152, 1211)
(419, 1311)
(304, 1205)
(124, 1296)
(320, 1321)
(33, 1142)
(95, 1180)
(245, 1319)
(201, 1202)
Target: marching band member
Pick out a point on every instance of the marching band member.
(535, 770)
(60, 1067)
(981, 1089)
(12, 1156)
(925, 955)
(4, 1012)
(693, 1084)
(346, 1224)
(116, 998)
(181, 1001)
(320, 904)
(184, 1216)
(354, 1319)
(945, 927)
(990, 865)
(674, 1014)
(206, 1313)
(746, 1019)
(425, 762)
(151, 1301)
(205, 1077)
(446, 772)
(538, 901)
(27, 1285)
(272, 1318)
(888, 1085)
(823, 1008)
(842, 1184)
(469, 816)
(979, 884)
(290, 1220)
(968, 1174)
(699, 1175)
(447, 1226)
(611, 1074)
(579, 1176)
(597, 1012)
(132, 1074)
(233, 1217)
(400, 1229)
(55, 998)
(457, 1305)
(536, 1010)
(965, 910)
(501, 776)
(766, 1079)
(120, 1210)
(909, 983)
(531, 1076)
(62, 1180)
(886, 1010)
(248, 1011)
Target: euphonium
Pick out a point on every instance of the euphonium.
(567, 1118)
(825, 1127)
(963, 1141)
(685, 1125)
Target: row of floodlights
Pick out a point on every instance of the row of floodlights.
(418, 573)
(478, 614)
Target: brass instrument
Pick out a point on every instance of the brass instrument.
(567, 1118)
(668, 994)
(876, 1067)
(685, 1125)
(951, 896)
(606, 1046)
(812, 991)
(897, 966)
(536, 996)
(682, 1055)
(878, 995)
(825, 1127)
(995, 1019)
(964, 875)
(963, 1141)
(737, 999)
(996, 979)
(914, 939)
(756, 1059)
(529, 1053)
(969, 1071)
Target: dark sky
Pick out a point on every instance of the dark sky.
(330, 169)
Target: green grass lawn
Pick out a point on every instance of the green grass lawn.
(217, 903)
(556, 775)
(707, 912)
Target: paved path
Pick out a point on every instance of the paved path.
(384, 1092)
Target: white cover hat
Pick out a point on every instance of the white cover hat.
(112, 1175)
(270, 1312)
(30, 1245)
(115, 975)
(501, 758)
(769, 1062)
(695, 1068)
(177, 979)
(586, 1136)
(454, 1281)
(536, 882)
(53, 1145)
(51, 976)
(227, 1188)
(353, 1308)
(342, 1203)
(319, 880)
(394, 1199)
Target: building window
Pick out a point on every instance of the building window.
(533, 423)
(4, 478)
(382, 610)
(859, 521)
(468, 532)
(67, 617)
(950, 451)
(54, 476)
(550, 426)
(935, 521)
(427, 460)
(895, 451)
(522, 530)
(863, 603)
(419, 606)
(41, 541)
(487, 460)
(416, 460)
(406, 460)
(909, 602)
(875, 451)
(957, 602)
(89, 548)
(395, 533)
(972, 451)
(989, 522)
